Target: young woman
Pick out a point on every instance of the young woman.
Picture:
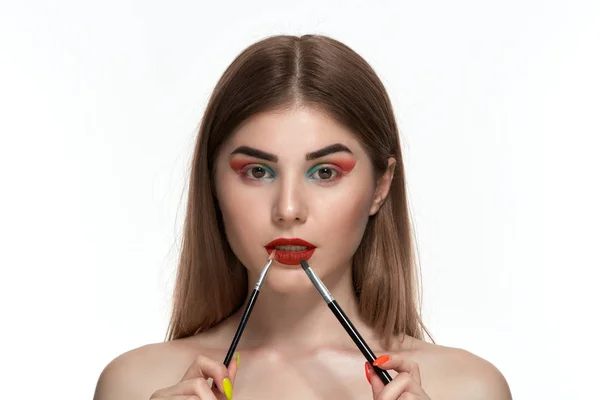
(298, 143)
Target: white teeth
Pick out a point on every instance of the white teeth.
(291, 248)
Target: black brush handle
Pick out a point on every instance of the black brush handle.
(240, 329)
(358, 340)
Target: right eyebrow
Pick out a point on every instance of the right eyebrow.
(252, 152)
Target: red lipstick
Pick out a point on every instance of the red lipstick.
(290, 257)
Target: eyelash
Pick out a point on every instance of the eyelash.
(244, 172)
(336, 173)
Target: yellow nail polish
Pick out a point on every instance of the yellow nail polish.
(227, 388)
(238, 359)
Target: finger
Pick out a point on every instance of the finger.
(205, 367)
(234, 364)
(376, 383)
(399, 364)
(401, 384)
(232, 368)
(408, 396)
(367, 372)
(198, 387)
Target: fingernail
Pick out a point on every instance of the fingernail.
(238, 359)
(227, 388)
(367, 372)
(381, 360)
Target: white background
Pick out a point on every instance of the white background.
(498, 106)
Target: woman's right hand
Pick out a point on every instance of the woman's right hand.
(195, 385)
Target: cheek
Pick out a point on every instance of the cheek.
(242, 218)
(347, 221)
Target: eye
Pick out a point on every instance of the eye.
(258, 172)
(323, 173)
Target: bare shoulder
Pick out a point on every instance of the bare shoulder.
(451, 373)
(138, 373)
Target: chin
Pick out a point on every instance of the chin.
(288, 279)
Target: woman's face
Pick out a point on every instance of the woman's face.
(295, 174)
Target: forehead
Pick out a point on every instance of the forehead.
(293, 132)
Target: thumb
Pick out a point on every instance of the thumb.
(233, 366)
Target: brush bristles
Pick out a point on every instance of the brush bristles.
(272, 256)
(304, 264)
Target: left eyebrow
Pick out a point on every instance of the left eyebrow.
(252, 152)
(334, 148)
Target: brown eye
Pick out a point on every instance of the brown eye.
(258, 172)
(325, 173)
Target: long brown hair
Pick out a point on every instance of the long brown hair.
(276, 73)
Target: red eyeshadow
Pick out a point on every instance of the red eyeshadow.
(346, 164)
(238, 163)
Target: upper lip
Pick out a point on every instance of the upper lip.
(290, 242)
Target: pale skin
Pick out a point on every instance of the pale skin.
(293, 347)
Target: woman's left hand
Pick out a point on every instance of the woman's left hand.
(405, 386)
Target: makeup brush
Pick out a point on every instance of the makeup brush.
(248, 310)
(341, 316)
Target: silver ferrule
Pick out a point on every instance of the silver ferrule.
(263, 275)
(319, 285)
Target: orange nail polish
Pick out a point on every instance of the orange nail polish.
(381, 360)
(367, 372)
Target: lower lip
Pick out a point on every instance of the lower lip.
(291, 257)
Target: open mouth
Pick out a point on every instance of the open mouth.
(291, 250)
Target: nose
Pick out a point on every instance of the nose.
(289, 206)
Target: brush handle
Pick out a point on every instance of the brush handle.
(358, 340)
(242, 325)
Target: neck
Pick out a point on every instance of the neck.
(300, 320)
